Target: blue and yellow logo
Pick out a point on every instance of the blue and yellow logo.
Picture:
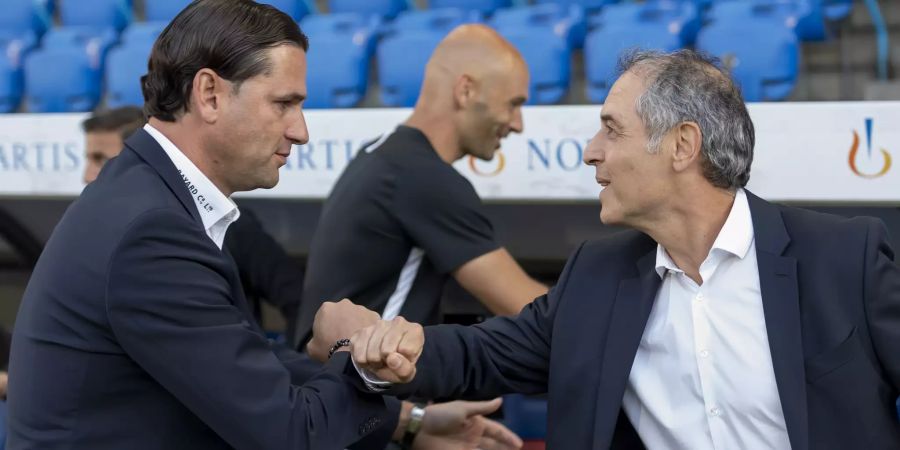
(854, 149)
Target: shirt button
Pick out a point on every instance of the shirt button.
(704, 353)
(715, 411)
(699, 298)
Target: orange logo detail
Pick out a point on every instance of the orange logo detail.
(501, 163)
(854, 149)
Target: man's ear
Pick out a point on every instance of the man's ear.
(464, 91)
(688, 143)
(207, 94)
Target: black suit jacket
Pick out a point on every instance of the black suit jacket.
(831, 300)
(134, 334)
(267, 272)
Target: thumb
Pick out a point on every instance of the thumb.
(398, 370)
(482, 408)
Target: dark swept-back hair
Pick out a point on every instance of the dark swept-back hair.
(230, 37)
(125, 121)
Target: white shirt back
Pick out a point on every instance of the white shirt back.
(702, 377)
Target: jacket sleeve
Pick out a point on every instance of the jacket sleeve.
(266, 270)
(882, 297)
(499, 356)
(169, 305)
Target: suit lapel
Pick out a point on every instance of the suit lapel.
(150, 151)
(633, 303)
(781, 307)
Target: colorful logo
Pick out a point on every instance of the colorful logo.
(854, 149)
(500, 164)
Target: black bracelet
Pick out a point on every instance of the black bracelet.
(337, 345)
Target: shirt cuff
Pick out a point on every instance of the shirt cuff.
(372, 382)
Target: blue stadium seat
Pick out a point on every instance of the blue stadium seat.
(806, 17)
(61, 79)
(125, 66)
(10, 85)
(402, 56)
(163, 10)
(525, 416)
(298, 9)
(94, 42)
(444, 19)
(25, 17)
(96, 13)
(547, 54)
(567, 21)
(624, 27)
(482, 6)
(338, 59)
(143, 32)
(384, 8)
(837, 9)
(762, 53)
(13, 49)
(588, 5)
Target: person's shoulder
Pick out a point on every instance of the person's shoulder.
(624, 247)
(815, 225)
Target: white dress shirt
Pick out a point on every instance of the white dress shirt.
(217, 211)
(702, 377)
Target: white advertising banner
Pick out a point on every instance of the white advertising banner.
(805, 152)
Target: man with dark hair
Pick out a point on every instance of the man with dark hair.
(266, 271)
(721, 321)
(104, 135)
(133, 331)
(401, 220)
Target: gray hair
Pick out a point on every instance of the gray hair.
(687, 86)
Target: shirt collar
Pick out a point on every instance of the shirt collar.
(213, 205)
(735, 236)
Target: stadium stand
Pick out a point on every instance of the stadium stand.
(338, 63)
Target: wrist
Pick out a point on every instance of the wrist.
(416, 418)
(403, 422)
(339, 346)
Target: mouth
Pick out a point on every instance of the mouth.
(283, 156)
(603, 182)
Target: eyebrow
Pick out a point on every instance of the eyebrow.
(609, 118)
(519, 101)
(292, 97)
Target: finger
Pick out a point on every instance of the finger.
(374, 351)
(392, 338)
(359, 343)
(481, 408)
(398, 370)
(486, 443)
(502, 435)
(412, 342)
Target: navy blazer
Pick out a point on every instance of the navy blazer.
(831, 300)
(134, 334)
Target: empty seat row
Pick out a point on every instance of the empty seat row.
(66, 73)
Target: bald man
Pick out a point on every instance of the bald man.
(401, 219)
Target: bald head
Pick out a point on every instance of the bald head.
(475, 85)
(473, 51)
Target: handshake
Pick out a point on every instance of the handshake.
(388, 349)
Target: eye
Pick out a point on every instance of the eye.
(612, 132)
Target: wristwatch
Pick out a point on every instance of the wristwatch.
(416, 416)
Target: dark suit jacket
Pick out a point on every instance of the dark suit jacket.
(267, 272)
(134, 334)
(831, 300)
